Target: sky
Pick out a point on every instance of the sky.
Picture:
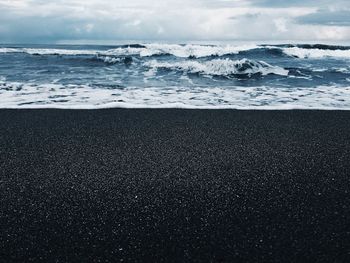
(61, 21)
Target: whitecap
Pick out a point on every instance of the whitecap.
(183, 51)
(220, 67)
(198, 51)
(315, 53)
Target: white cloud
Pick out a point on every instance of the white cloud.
(281, 24)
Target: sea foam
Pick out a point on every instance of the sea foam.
(24, 95)
(316, 53)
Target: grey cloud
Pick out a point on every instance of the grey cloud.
(39, 21)
(326, 17)
(251, 16)
(281, 3)
(291, 3)
(53, 29)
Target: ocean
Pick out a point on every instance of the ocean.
(175, 76)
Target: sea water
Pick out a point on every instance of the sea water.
(175, 76)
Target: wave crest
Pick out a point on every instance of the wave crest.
(148, 50)
(193, 51)
(197, 51)
(221, 67)
(315, 52)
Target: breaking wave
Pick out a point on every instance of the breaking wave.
(49, 51)
(114, 60)
(316, 53)
(191, 50)
(148, 50)
(196, 51)
(220, 67)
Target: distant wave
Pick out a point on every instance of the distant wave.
(183, 51)
(196, 51)
(317, 46)
(49, 51)
(316, 53)
(192, 51)
(220, 67)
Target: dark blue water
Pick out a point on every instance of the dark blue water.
(189, 76)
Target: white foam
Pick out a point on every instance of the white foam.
(182, 51)
(197, 51)
(122, 51)
(10, 50)
(315, 53)
(110, 60)
(220, 67)
(25, 95)
(49, 51)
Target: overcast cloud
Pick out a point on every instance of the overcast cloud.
(50, 21)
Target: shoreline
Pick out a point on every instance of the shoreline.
(172, 107)
(174, 185)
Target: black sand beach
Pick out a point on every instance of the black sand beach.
(174, 186)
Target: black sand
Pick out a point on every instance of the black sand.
(174, 186)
